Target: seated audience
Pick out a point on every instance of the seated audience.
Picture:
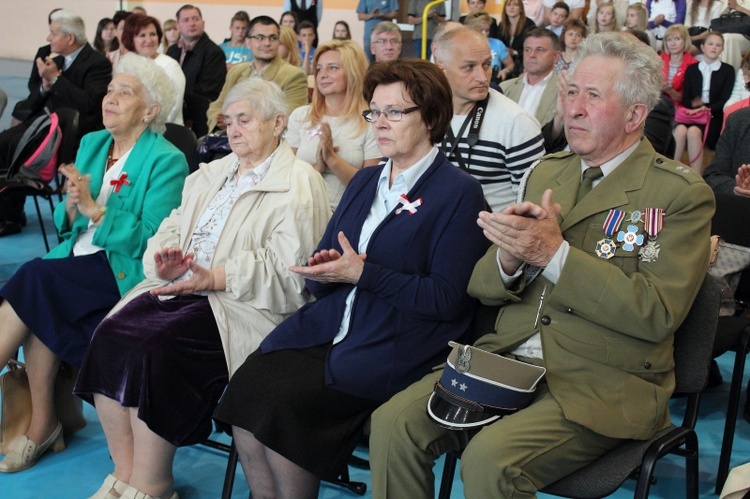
(536, 90)
(606, 316)
(235, 49)
(708, 85)
(171, 35)
(741, 91)
(676, 59)
(576, 8)
(389, 275)
(105, 40)
(729, 171)
(512, 32)
(637, 18)
(125, 181)
(308, 40)
(479, 6)
(605, 18)
(67, 73)
(119, 20)
(290, 20)
(698, 16)
(288, 47)
(557, 17)
(385, 42)
(217, 282)
(341, 31)
(662, 15)
(502, 62)
(330, 133)
(620, 9)
(142, 35)
(266, 64)
(373, 12)
(574, 31)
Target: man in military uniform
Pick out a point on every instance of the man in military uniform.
(596, 269)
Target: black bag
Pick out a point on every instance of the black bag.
(214, 146)
(734, 22)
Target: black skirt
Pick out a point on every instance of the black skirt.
(281, 398)
(163, 357)
(62, 300)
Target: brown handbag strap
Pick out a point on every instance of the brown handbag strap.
(13, 364)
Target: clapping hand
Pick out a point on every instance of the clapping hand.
(743, 181)
(330, 266)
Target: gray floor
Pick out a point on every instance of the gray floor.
(199, 471)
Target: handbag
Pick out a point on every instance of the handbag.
(15, 403)
(727, 266)
(733, 22)
(213, 146)
(702, 118)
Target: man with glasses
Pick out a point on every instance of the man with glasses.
(536, 90)
(202, 61)
(374, 12)
(385, 42)
(490, 137)
(264, 43)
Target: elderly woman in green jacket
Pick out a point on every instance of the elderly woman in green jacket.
(125, 181)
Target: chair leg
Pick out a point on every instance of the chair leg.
(226, 491)
(41, 223)
(692, 470)
(449, 470)
(733, 409)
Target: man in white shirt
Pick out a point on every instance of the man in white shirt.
(536, 90)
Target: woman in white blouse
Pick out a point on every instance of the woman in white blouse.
(330, 133)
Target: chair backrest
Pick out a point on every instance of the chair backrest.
(694, 340)
(68, 121)
(730, 218)
(183, 139)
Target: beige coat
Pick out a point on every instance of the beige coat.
(273, 226)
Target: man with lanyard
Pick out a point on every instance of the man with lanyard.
(264, 43)
(595, 270)
(306, 10)
(536, 90)
(496, 149)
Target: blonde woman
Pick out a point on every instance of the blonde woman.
(637, 18)
(171, 35)
(288, 49)
(330, 133)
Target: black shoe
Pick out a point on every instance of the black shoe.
(9, 228)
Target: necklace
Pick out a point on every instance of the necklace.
(110, 160)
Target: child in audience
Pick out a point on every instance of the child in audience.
(234, 47)
(307, 37)
(341, 31)
(558, 15)
(605, 18)
(637, 18)
(574, 31)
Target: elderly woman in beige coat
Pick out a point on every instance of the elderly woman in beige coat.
(217, 282)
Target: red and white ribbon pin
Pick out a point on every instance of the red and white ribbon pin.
(407, 205)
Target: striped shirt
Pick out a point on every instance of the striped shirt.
(510, 141)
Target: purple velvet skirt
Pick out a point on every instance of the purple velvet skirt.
(63, 300)
(163, 357)
(282, 399)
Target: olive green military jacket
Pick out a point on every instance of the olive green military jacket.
(607, 326)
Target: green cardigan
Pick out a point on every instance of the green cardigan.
(156, 172)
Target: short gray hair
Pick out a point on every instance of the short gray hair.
(385, 27)
(445, 43)
(265, 97)
(157, 86)
(642, 80)
(70, 24)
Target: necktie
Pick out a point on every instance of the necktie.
(589, 175)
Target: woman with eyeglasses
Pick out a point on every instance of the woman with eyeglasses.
(330, 133)
(389, 278)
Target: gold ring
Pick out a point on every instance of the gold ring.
(79, 177)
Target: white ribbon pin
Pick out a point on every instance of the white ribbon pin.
(411, 207)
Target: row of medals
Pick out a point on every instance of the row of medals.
(629, 239)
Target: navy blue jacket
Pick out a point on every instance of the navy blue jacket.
(411, 297)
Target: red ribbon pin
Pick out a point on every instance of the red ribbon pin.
(123, 180)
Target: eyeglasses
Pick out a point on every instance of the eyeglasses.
(263, 38)
(373, 115)
(384, 41)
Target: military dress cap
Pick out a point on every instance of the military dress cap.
(479, 387)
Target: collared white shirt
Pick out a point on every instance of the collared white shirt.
(386, 200)
(531, 95)
(532, 347)
(70, 58)
(706, 70)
